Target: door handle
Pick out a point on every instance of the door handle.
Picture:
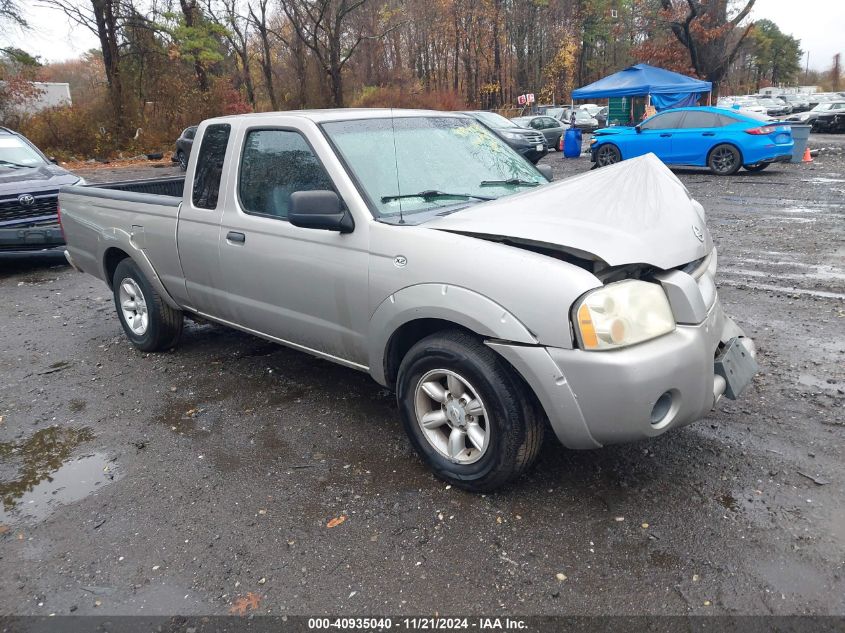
(234, 236)
(708, 134)
(665, 135)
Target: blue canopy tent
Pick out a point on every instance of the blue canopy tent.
(664, 88)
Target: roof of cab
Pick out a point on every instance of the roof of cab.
(340, 114)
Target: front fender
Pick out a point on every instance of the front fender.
(440, 301)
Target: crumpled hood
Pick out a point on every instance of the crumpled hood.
(33, 179)
(636, 211)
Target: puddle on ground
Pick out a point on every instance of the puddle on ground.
(38, 474)
(809, 380)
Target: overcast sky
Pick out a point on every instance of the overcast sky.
(819, 28)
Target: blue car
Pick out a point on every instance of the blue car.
(723, 140)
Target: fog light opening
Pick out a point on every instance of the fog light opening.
(661, 409)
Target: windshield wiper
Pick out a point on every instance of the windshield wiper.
(433, 193)
(509, 181)
(11, 164)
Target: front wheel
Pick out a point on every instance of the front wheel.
(149, 322)
(724, 160)
(756, 167)
(467, 414)
(182, 160)
(608, 155)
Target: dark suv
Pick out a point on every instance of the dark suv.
(183, 147)
(530, 143)
(29, 190)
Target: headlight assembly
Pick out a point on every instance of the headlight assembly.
(622, 314)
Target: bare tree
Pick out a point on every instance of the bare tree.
(323, 26)
(711, 36)
(259, 19)
(237, 31)
(103, 18)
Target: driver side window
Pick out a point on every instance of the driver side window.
(275, 164)
(665, 121)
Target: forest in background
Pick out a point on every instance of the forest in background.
(166, 64)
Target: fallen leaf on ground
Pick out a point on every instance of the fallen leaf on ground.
(242, 604)
(336, 521)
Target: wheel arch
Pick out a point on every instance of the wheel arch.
(611, 143)
(113, 255)
(415, 312)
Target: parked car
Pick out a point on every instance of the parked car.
(830, 120)
(773, 106)
(721, 139)
(749, 105)
(799, 103)
(184, 144)
(784, 102)
(601, 117)
(583, 120)
(29, 189)
(529, 143)
(590, 108)
(418, 247)
(809, 118)
(552, 129)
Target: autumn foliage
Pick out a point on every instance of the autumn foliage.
(164, 66)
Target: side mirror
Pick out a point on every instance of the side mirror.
(320, 209)
(54, 160)
(638, 129)
(546, 170)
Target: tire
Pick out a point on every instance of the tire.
(495, 407)
(155, 326)
(608, 154)
(182, 160)
(724, 160)
(756, 167)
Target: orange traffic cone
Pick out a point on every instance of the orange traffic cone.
(807, 157)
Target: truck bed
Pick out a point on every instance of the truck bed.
(138, 217)
(172, 186)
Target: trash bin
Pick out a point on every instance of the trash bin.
(572, 143)
(800, 136)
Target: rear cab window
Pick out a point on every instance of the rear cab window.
(209, 169)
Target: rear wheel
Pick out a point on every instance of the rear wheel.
(757, 167)
(467, 414)
(608, 155)
(182, 160)
(149, 322)
(724, 160)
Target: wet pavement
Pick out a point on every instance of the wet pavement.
(204, 479)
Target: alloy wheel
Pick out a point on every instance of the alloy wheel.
(452, 416)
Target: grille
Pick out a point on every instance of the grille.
(42, 211)
(536, 138)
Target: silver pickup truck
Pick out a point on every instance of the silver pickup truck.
(418, 247)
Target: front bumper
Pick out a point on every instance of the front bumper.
(31, 238)
(597, 398)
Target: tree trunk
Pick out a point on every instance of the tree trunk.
(106, 21)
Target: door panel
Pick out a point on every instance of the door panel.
(657, 136)
(691, 141)
(304, 286)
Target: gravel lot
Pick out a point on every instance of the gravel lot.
(202, 480)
